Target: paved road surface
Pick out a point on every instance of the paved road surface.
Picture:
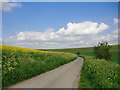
(66, 76)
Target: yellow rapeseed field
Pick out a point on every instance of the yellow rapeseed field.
(23, 63)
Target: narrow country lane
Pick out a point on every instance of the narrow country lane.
(66, 76)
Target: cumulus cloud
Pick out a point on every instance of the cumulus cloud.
(67, 41)
(113, 37)
(8, 6)
(72, 30)
(49, 34)
(74, 35)
(87, 27)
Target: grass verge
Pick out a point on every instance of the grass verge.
(99, 73)
(19, 64)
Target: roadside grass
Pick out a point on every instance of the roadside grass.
(0, 70)
(99, 73)
(19, 64)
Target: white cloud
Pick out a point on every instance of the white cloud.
(8, 0)
(75, 35)
(87, 27)
(113, 37)
(8, 6)
(116, 20)
(73, 29)
(0, 40)
(40, 36)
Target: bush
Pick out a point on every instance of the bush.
(102, 50)
(78, 53)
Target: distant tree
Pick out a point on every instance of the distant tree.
(78, 53)
(102, 50)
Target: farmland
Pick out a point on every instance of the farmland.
(97, 73)
(19, 64)
(89, 52)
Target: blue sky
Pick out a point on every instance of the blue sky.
(47, 18)
(61, 0)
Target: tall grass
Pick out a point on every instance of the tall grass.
(0, 69)
(20, 63)
(99, 73)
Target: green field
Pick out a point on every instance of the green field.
(89, 51)
(97, 73)
(19, 64)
